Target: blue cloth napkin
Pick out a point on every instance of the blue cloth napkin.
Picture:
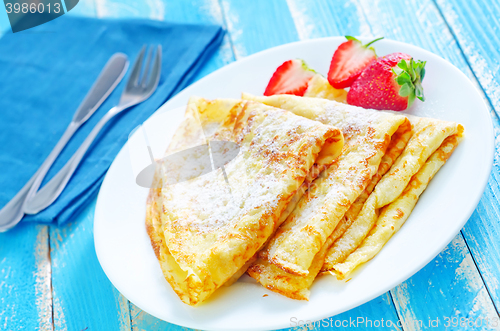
(45, 73)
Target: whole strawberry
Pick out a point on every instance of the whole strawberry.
(392, 82)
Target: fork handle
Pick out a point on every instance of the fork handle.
(51, 191)
(44, 168)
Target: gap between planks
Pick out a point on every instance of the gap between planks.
(43, 279)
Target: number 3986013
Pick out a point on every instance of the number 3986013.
(26, 7)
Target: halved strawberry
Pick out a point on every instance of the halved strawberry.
(392, 83)
(292, 77)
(349, 60)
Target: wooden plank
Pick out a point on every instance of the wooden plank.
(328, 18)
(25, 292)
(376, 314)
(475, 25)
(197, 11)
(482, 233)
(258, 25)
(419, 22)
(425, 299)
(79, 286)
(142, 321)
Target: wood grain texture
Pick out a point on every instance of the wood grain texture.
(257, 25)
(82, 294)
(196, 11)
(142, 321)
(429, 30)
(475, 25)
(379, 311)
(328, 18)
(452, 272)
(25, 273)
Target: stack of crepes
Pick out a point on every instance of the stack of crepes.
(354, 207)
(291, 212)
(206, 230)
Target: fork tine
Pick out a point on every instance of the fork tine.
(136, 69)
(156, 70)
(145, 72)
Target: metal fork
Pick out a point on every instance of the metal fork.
(140, 85)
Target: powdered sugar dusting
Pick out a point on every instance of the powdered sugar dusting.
(259, 175)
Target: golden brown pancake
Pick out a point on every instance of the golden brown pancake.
(393, 216)
(428, 135)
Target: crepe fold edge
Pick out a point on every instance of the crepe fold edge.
(189, 286)
(428, 135)
(395, 214)
(190, 133)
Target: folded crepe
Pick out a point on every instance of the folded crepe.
(206, 230)
(430, 145)
(293, 257)
(393, 215)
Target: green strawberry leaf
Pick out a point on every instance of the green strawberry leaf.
(404, 78)
(409, 75)
(403, 65)
(411, 98)
(411, 70)
(397, 70)
(352, 38)
(419, 92)
(405, 90)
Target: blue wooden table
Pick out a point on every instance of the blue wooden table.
(50, 278)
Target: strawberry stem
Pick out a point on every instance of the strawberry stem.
(371, 42)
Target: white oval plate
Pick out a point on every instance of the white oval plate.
(125, 253)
